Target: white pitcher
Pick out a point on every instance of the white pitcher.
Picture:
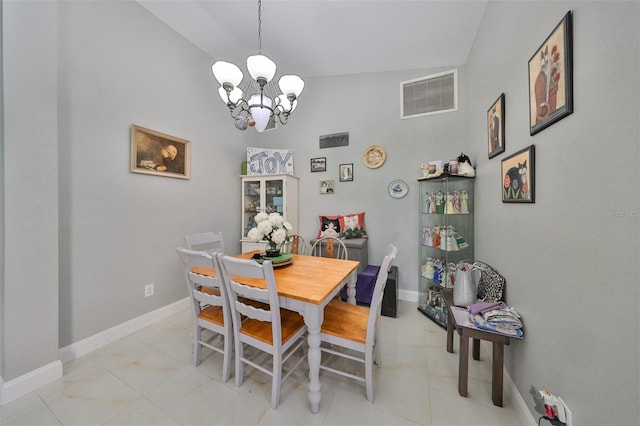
(464, 289)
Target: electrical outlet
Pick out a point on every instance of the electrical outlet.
(149, 289)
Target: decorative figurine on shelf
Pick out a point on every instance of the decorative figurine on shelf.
(439, 202)
(452, 244)
(427, 236)
(435, 242)
(427, 269)
(432, 202)
(464, 202)
(456, 202)
(425, 203)
(448, 208)
(464, 166)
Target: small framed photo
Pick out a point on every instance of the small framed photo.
(495, 127)
(518, 177)
(319, 164)
(155, 153)
(346, 172)
(551, 78)
(327, 186)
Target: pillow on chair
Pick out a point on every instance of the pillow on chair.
(352, 226)
(329, 227)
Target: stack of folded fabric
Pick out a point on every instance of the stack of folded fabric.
(496, 317)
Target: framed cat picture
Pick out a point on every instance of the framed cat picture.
(551, 78)
(518, 177)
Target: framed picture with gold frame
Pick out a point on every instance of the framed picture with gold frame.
(155, 153)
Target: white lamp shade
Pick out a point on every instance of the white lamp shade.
(261, 66)
(226, 72)
(259, 114)
(291, 84)
(285, 104)
(235, 95)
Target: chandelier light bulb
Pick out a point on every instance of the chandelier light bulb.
(259, 112)
(226, 72)
(291, 84)
(260, 66)
(285, 104)
(234, 96)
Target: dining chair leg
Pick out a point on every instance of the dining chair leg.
(228, 356)
(197, 348)
(239, 364)
(377, 359)
(276, 380)
(368, 375)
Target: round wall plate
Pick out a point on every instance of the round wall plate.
(374, 156)
(398, 188)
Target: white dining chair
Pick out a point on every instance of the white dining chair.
(352, 331)
(209, 306)
(205, 241)
(329, 247)
(271, 329)
(298, 245)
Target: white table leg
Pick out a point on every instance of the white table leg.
(313, 317)
(351, 287)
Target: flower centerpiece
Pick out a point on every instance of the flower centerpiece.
(272, 228)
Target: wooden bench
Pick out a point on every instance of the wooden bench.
(466, 332)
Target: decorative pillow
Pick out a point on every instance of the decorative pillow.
(329, 227)
(352, 226)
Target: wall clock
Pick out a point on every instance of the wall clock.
(374, 156)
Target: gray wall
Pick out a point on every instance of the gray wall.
(30, 184)
(371, 116)
(567, 259)
(119, 66)
(571, 263)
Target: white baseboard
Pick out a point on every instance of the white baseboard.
(27, 383)
(90, 344)
(14, 389)
(519, 404)
(408, 295)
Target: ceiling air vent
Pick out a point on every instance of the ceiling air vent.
(432, 94)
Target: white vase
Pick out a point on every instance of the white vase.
(464, 289)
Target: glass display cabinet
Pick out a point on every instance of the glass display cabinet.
(267, 193)
(446, 238)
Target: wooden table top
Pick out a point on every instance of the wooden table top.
(308, 278)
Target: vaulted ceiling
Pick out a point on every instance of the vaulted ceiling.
(328, 37)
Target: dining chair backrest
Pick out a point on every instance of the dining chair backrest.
(352, 332)
(298, 245)
(329, 247)
(205, 241)
(265, 326)
(240, 294)
(378, 291)
(209, 303)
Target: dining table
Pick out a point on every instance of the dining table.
(306, 285)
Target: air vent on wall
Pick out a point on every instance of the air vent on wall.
(429, 95)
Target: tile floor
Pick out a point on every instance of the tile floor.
(148, 378)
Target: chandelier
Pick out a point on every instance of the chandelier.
(265, 101)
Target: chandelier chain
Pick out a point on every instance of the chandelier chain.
(260, 27)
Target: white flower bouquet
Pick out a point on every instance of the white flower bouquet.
(272, 228)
